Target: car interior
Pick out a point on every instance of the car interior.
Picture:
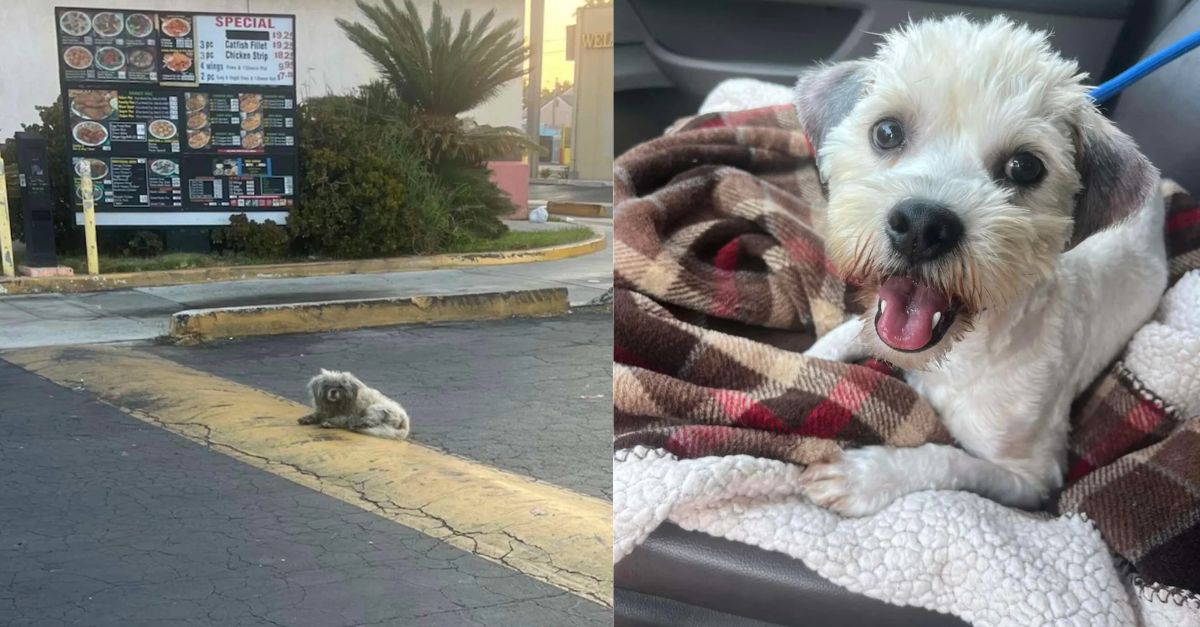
(670, 53)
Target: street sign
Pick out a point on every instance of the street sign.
(180, 118)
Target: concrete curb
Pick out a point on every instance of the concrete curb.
(571, 182)
(340, 315)
(579, 209)
(158, 278)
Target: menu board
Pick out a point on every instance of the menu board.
(180, 118)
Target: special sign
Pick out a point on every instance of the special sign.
(180, 118)
(246, 50)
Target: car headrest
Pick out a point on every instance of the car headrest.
(1159, 111)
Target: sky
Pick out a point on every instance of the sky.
(559, 13)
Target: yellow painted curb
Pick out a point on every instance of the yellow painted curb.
(546, 532)
(578, 209)
(158, 278)
(340, 315)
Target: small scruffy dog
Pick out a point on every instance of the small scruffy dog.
(341, 400)
(1009, 240)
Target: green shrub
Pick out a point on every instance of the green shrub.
(256, 239)
(368, 189)
(144, 244)
(477, 204)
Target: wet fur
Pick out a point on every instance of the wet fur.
(1053, 279)
(342, 401)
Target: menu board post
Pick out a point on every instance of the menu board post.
(36, 200)
(89, 227)
(6, 246)
(180, 119)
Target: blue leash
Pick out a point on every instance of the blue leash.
(1142, 68)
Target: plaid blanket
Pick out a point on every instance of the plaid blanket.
(721, 281)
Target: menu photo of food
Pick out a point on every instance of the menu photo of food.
(162, 136)
(108, 24)
(97, 170)
(164, 186)
(199, 126)
(99, 27)
(97, 190)
(140, 26)
(108, 46)
(177, 52)
(178, 61)
(175, 28)
(93, 104)
(110, 62)
(140, 63)
(162, 130)
(168, 168)
(227, 167)
(75, 25)
(250, 112)
(178, 66)
(90, 109)
(87, 166)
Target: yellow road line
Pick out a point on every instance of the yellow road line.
(544, 531)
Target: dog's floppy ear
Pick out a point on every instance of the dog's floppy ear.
(313, 385)
(825, 94)
(1117, 178)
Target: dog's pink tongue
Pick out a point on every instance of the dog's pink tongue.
(906, 322)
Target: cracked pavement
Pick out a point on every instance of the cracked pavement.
(532, 396)
(107, 520)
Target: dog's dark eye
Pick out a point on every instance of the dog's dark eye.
(887, 134)
(1024, 169)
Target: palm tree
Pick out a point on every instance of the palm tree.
(437, 70)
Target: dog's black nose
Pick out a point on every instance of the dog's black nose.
(922, 230)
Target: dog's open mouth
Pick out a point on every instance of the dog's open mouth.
(912, 317)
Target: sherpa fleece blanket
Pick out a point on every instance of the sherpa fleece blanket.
(721, 281)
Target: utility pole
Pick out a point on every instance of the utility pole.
(533, 95)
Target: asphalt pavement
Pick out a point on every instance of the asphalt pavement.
(108, 520)
(530, 395)
(148, 484)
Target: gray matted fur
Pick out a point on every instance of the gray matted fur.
(342, 401)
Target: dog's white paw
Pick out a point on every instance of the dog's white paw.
(859, 483)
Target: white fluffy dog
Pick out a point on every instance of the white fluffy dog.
(340, 400)
(1010, 240)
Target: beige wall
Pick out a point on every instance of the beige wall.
(592, 148)
(557, 114)
(326, 61)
